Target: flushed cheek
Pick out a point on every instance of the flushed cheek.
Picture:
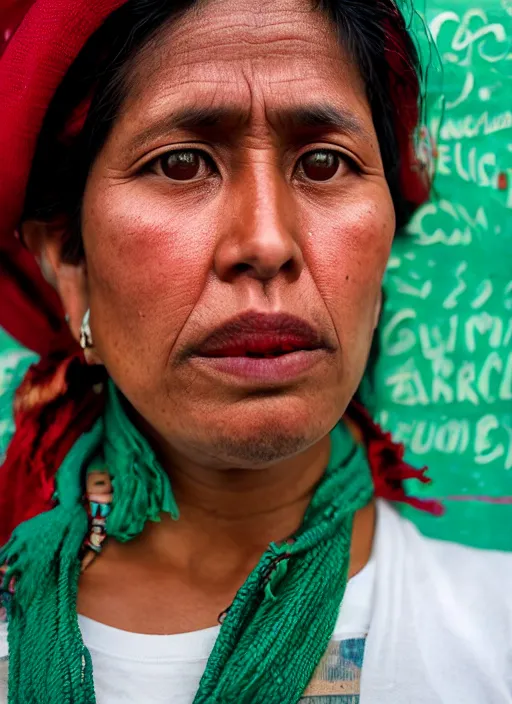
(146, 270)
(348, 252)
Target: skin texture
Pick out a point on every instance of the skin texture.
(166, 262)
(255, 238)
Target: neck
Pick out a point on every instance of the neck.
(229, 516)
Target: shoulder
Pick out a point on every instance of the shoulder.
(3, 633)
(441, 625)
(458, 579)
(460, 563)
(4, 663)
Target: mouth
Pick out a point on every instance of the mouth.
(259, 346)
(270, 348)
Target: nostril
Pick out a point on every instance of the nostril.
(242, 268)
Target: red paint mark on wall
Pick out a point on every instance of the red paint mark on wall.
(482, 499)
(502, 181)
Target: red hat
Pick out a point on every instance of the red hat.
(32, 66)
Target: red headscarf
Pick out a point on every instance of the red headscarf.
(55, 403)
(34, 62)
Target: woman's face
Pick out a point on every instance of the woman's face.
(242, 175)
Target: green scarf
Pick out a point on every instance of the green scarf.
(275, 632)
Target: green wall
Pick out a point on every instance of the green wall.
(443, 379)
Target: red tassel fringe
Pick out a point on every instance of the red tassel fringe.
(54, 405)
(386, 460)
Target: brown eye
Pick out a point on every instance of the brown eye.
(321, 165)
(184, 165)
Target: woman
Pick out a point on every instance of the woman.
(212, 189)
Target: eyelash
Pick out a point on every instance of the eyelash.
(342, 157)
(154, 166)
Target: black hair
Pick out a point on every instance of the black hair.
(103, 69)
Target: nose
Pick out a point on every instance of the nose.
(260, 237)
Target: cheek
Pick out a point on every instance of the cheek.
(348, 251)
(146, 270)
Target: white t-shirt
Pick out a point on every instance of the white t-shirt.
(425, 622)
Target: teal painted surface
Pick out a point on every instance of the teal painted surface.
(443, 380)
(14, 360)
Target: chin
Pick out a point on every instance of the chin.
(261, 431)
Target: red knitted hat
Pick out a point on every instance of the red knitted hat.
(36, 59)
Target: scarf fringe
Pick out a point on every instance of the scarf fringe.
(386, 459)
(54, 405)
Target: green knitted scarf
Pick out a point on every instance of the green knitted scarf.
(275, 632)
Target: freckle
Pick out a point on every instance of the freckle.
(346, 277)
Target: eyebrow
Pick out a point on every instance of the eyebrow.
(320, 116)
(308, 117)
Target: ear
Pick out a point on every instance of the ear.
(45, 242)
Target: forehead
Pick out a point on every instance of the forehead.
(247, 54)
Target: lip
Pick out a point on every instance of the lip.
(259, 334)
(266, 370)
(263, 348)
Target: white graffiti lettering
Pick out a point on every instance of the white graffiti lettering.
(488, 440)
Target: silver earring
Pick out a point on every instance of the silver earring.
(86, 342)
